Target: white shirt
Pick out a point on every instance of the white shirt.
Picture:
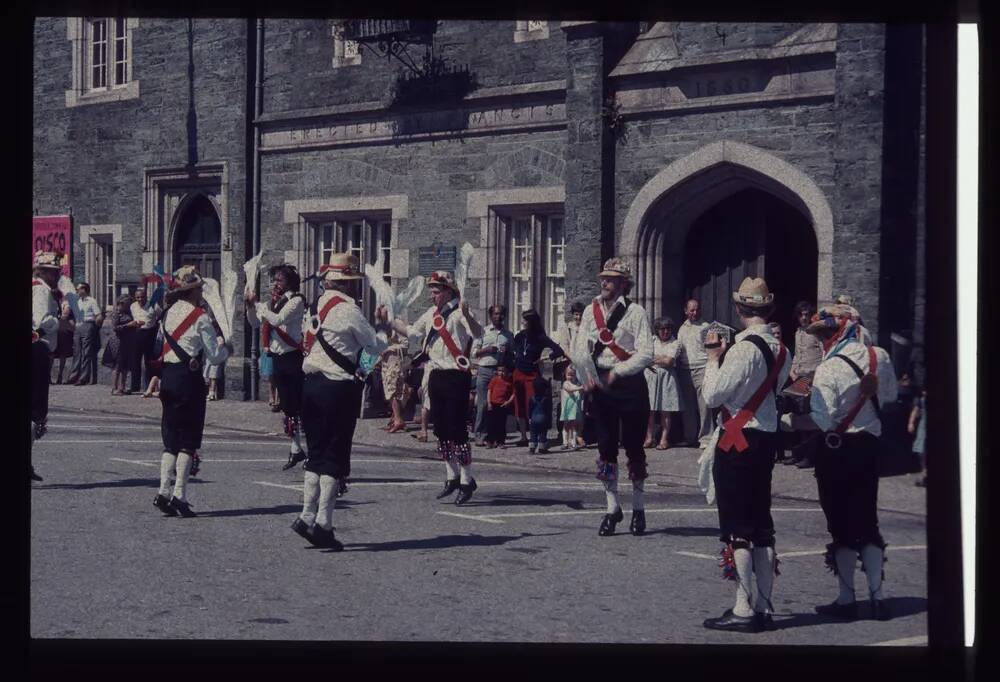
(44, 314)
(89, 309)
(743, 371)
(566, 334)
(147, 317)
(200, 336)
(836, 388)
(501, 338)
(457, 326)
(347, 331)
(290, 319)
(668, 348)
(632, 334)
(692, 339)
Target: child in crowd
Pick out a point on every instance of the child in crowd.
(918, 429)
(570, 414)
(500, 395)
(540, 414)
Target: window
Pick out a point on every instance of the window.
(535, 269)
(366, 237)
(102, 60)
(530, 30)
(345, 52)
(100, 272)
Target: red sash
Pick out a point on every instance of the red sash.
(310, 337)
(440, 327)
(266, 329)
(733, 426)
(606, 336)
(185, 324)
(862, 399)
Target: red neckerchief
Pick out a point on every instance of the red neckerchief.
(733, 426)
(606, 336)
(181, 328)
(862, 399)
(310, 338)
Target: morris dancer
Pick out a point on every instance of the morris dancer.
(615, 338)
(331, 394)
(46, 303)
(849, 386)
(190, 341)
(282, 336)
(444, 336)
(744, 387)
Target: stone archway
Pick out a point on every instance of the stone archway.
(656, 225)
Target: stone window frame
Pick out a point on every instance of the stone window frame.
(91, 236)
(81, 92)
(527, 30)
(345, 52)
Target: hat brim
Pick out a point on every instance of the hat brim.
(768, 300)
(442, 285)
(613, 273)
(48, 266)
(340, 277)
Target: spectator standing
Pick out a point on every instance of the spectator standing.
(570, 412)
(808, 350)
(691, 375)
(500, 396)
(564, 337)
(540, 414)
(64, 340)
(917, 427)
(118, 354)
(527, 347)
(394, 365)
(661, 378)
(87, 338)
(145, 337)
(489, 352)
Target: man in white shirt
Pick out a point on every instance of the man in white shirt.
(46, 302)
(744, 387)
(444, 330)
(849, 387)
(489, 352)
(282, 332)
(190, 342)
(87, 337)
(331, 392)
(145, 337)
(612, 348)
(691, 375)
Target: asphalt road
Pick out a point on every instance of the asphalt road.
(521, 562)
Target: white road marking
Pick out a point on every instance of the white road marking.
(697, 556)
(919, 640)
(403, 484)
(811, 552)
(469, 516)
(157, 441)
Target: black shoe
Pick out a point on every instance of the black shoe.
(730, 622)
(302, 528)
(609, 522)
(792, 459)
(325, 539)
(465, 492)
(293, 459)
(163, 504)
(341, 487)
(34, 476)
(804, 463)
(450, 486)
(638, 524)
(182, 508)
(841, 611)
(765, 621)
(880, 610)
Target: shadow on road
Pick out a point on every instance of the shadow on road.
(442, 542)
(899, 607)
(352, 479)
(342, 505)
(123, 483)
(523, 501)
(686, 531)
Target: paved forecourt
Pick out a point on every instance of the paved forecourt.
(520, 562)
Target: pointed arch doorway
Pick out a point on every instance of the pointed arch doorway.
(198, 237)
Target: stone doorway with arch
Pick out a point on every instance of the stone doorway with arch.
(724, 212)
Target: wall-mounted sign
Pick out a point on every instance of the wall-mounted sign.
(53, 233)
(431, 258)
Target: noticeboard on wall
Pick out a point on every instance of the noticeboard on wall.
(53, 233)
(431, 258)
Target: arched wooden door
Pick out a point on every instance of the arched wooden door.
(749, 234)
(198, 238)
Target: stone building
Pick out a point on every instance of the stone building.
(702, 151)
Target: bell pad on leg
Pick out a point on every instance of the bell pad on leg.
(462, 452)
(607, 471)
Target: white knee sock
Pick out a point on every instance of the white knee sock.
(611, 492)
(871, 559)
(763, 570)
(310, 497)
(465, 474)
(844, 557)
(327, 499)
(167, 463)
(183, 471)
(451, 467)
(744, 582)
(637, 490)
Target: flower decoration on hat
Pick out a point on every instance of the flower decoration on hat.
(342, 266)
(753, 292)
(442, 278)
(616, 266)
(48, 259)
